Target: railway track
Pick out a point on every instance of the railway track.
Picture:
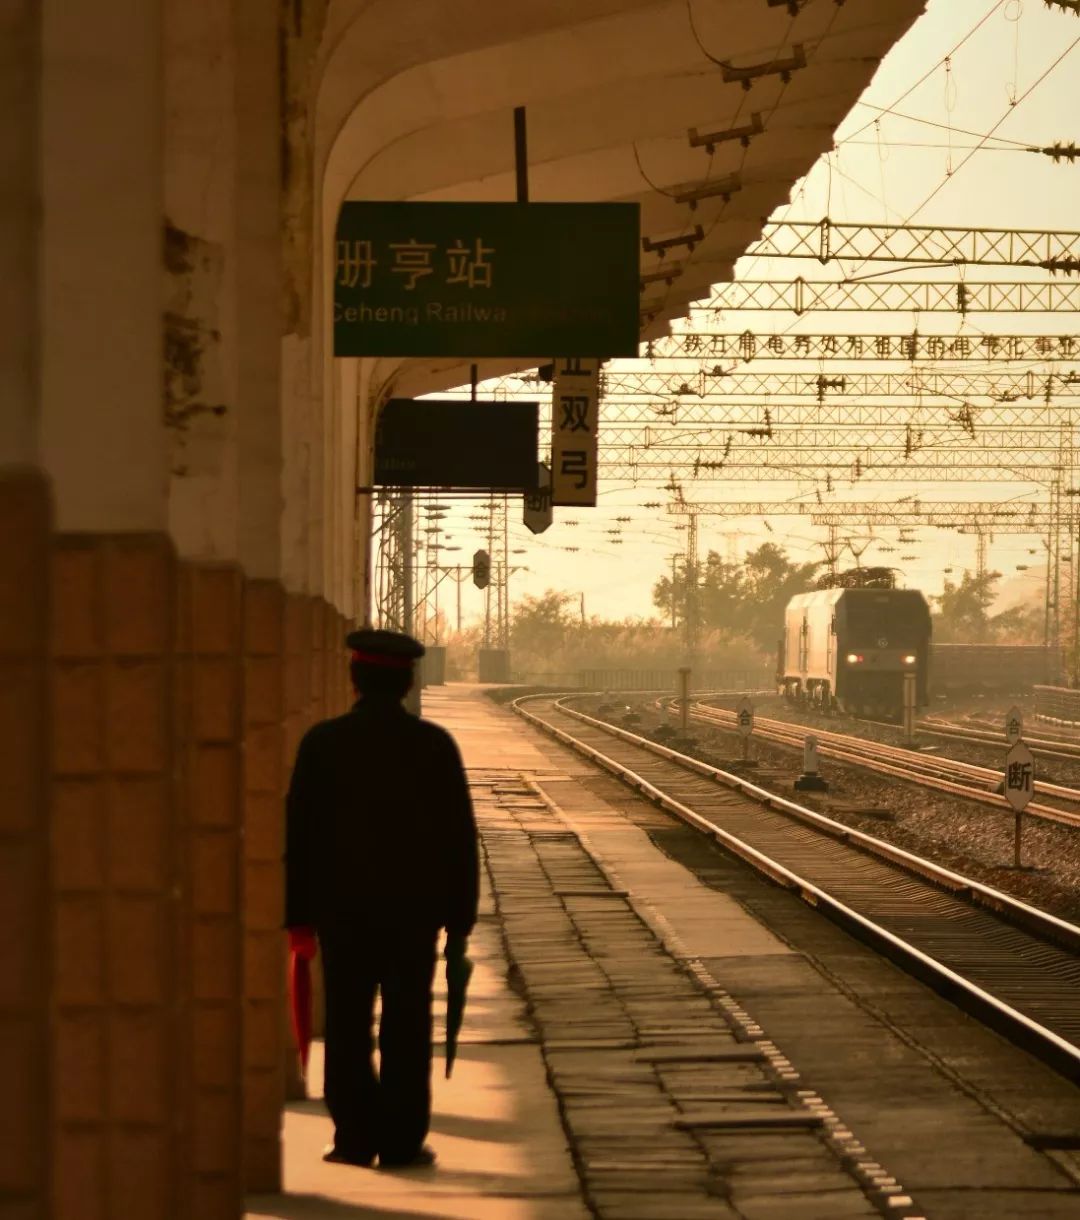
(950, 775)
(1045, 747)
(1016, 968)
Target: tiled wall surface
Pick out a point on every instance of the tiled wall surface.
(118, 1136)
(265, 1045)
(154, 708)
(24, 847)
(210, 716)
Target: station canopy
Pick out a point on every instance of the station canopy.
(416, 102)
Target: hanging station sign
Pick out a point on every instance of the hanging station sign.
(575, 419)
(439, 442)
(486, 279)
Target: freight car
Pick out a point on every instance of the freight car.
(849, 649)
(959, 669)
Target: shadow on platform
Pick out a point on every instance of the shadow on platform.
(322, 1207)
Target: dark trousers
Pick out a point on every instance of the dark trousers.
(388, 1113)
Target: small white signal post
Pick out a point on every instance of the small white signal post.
(744, 722)
(1014, 725)
(1019, 786)
(810, 780)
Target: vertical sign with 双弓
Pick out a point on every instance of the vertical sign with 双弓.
(575, 419)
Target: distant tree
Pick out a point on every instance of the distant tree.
(540, 625)
(1023, 624)
(963, 610)
(772, 581)
(745, 599)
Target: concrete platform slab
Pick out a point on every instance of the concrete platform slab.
(502, 1150)
(878, 1081)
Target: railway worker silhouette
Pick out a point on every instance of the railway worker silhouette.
(380, 855)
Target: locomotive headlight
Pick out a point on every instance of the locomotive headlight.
(853, 658)
(910, 659)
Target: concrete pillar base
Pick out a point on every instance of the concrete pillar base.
(119, 1126)
(25, 1137)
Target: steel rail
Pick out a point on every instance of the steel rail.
(902, 764)
(1048, 746)
(1053, 1049)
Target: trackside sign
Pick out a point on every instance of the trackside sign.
(486, 279)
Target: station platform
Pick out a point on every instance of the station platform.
(641, 1044)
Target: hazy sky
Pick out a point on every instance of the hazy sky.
(885, 167)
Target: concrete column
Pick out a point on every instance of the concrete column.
(26, 1126)
(201, 299)
(20, 68)
(297, 686)
(259, 321)
(265, 1044)
(259, 324)
(102, 440)
(26, 1142)
(296, 463)
(210, 721)
(118, 1122)
(203, 302)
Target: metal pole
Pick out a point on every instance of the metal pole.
(909, 709)
(459, 580)
(691, 587)
(674, 563)
(684, 698)
(506, 572)
(500, 607)
(1017, 840)
(487, 591)
(521, 155)
(408, 608)
(1074, 550)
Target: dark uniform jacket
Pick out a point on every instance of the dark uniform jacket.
(380, 832)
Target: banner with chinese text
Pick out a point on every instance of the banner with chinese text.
(575, 424)
(486, 279)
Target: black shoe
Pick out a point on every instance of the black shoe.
(419, 1160)
(338, 1156)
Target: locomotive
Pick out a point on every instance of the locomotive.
(849, 649)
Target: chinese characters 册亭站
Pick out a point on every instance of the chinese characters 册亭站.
(413, 261)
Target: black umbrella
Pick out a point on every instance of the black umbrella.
(458, 972)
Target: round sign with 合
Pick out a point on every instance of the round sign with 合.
(1014, 724)
(1019, 776)
(744, 716)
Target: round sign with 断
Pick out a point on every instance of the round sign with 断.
(481, 569)
(1019, 776)
(744, 716)
(1014, 724)
(537, 515)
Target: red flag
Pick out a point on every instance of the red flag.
(300, 996)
